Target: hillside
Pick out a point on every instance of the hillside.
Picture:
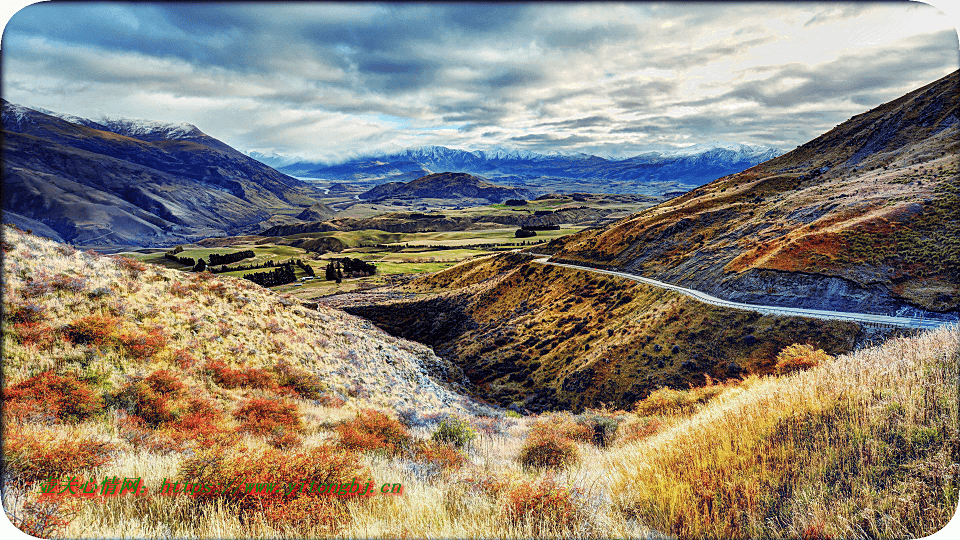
(455, 186)
(116, 368)
(546, 338)
(863, 218)
(134, 183)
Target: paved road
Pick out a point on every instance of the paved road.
(866, 318)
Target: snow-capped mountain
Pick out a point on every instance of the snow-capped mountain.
(145, 130)
(669, 171)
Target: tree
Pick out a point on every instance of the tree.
(201, 266)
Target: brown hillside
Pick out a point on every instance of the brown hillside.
(863, 218)
(549, 338)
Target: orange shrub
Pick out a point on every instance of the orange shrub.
(373, 430)
(548, 451)
(132, 266)
(184, 359)
(227, 377)
(144, 345)
(639, 429)
(545, 504)
(264, 416)
(165, 382)
(140, 399)
(443, 456)
(98, 330)
(65, 397)
(798, 357)
(46, 517)
(35, 456)
(34, 334)
(231, 469)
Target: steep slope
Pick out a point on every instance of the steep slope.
(447, 185)
(864, 218)
(134, 183)
(111, 319)
(549, 338)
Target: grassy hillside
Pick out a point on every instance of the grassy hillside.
(115, 368)
(863, 218)
(551, 338)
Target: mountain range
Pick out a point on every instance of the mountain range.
(655, 173)
(134, 183)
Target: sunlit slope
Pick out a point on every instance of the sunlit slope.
(864, 218)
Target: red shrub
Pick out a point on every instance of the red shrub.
(35, 456)
(29, 312)
(144, 345)
(264, 416)
(63, 282)
(66, 397)
(47, 517)
(165, 382)
(138, 398)
(233, 378)
(184, 359)
(305, 512)
(564, 426)
(285, 440)
(545, 504)
(99, 330)
(232, 470)
(373, 430)
(34, 334)
(332, 400)
(202, 421)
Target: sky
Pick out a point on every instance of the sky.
(331, 81)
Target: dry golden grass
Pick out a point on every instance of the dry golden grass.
(863, 445)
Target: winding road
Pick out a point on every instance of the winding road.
(864, 318)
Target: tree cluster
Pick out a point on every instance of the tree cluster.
(189, 261)
(337, 268)
(281, 275)
(216, 259)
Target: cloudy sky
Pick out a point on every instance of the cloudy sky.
(329, 81)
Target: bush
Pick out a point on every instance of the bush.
(639, 428)
(131, 266)
(165, 382)
(373, 430)
(227, 377)
(441, 455)
(799, 357)
(29, 312)
(34, 334)
(140, 399)
(601, 425)
(65, 397)
(98, 330)
(304, 383)
(35, 456)
(548, 451)
(546, 505)
(144, 345)
(263, 416)
(232, 469)
(667, 401)
(455, 431)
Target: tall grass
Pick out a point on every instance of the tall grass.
(865, 445)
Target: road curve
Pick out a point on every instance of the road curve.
(865, 318)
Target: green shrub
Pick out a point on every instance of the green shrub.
(455, 431)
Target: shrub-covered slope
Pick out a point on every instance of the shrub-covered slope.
(551, 338)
